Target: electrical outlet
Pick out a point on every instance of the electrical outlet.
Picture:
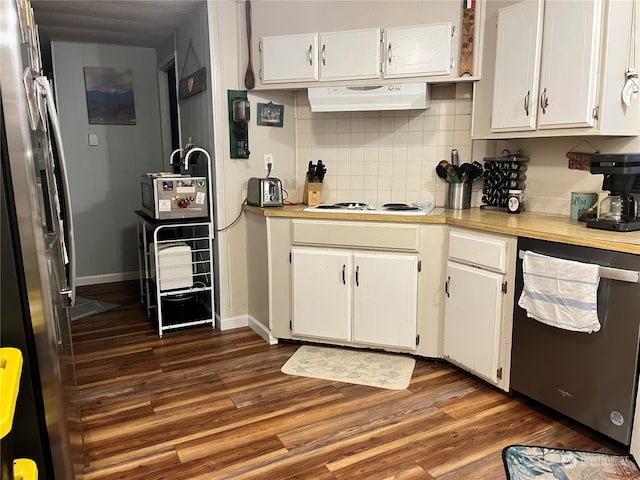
(93, 139)
(268, 159)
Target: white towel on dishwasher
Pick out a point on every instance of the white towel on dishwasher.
(561, 293)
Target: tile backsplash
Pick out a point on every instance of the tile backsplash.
(387, 156)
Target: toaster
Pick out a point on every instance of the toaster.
(264, 192)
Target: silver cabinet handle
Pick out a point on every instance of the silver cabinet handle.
(544, 101)
(310, 57)
(446, 286)
(389, 53)
(357, 276)
(526, 102)
(323, 54)
(344, 274)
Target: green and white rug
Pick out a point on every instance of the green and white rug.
(539, 463)
(382, 370)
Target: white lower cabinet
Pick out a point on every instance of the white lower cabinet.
(479, 303)
(321, 294)
(355, 297)
(473, 316)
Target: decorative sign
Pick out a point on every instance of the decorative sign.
(194, 83)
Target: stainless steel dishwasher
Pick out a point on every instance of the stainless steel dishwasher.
(591, 378)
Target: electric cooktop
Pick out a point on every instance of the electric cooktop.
(365, 208)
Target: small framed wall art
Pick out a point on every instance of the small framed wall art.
(270, 114)
(110, 95)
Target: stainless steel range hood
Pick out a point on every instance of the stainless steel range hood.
(401, 96)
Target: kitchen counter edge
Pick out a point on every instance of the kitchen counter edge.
(555, 228)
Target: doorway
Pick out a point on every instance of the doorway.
(169, 109)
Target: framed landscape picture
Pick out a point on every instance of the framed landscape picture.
(110, 95)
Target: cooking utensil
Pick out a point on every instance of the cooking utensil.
(249, 78)
(452, 174)
(466, 170)
(441, 172)
(455, 159)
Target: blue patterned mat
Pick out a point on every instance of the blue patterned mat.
(528, 463)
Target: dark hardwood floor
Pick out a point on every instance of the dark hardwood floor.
(204, 404)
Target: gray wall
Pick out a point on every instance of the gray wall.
(105, 179)
(196, 112)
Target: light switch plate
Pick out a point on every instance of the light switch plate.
(93, 139)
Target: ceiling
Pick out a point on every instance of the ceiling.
(140, 23)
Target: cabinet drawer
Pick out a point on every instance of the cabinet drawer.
(479, 249)
(358, 235)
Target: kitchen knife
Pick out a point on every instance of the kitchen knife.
(310, 171)
(320, 171)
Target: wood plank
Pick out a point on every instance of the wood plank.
(200, 404)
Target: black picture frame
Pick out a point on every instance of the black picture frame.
(270, 114)
(110, 99)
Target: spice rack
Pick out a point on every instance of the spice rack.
(502, 174)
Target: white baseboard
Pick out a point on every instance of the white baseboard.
(261, 330)
(107, 278)
(248, 321)
(233, 322)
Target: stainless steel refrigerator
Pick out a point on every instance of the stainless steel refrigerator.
(38, 257)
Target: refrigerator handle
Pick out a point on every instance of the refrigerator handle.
(70, 290)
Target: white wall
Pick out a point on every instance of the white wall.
(105, 179)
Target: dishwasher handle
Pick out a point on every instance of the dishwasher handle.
(619, 274)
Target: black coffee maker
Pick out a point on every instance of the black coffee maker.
(618, 211)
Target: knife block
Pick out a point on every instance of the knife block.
(312, 193)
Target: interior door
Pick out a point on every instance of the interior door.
(385, 299)
(473, 316)
(321, 293)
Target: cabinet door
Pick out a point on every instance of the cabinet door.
(473, 314)
(418, 50)
(517, 71)
(321, 293)
(289, 58)
(350, 55)
(385, 299)
(569, 68)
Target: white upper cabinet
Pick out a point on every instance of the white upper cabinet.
(289, 58)
(353, 54)
(558, 70)
(418, 50)
(518, 51)
(569, 68)
(546, 70)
